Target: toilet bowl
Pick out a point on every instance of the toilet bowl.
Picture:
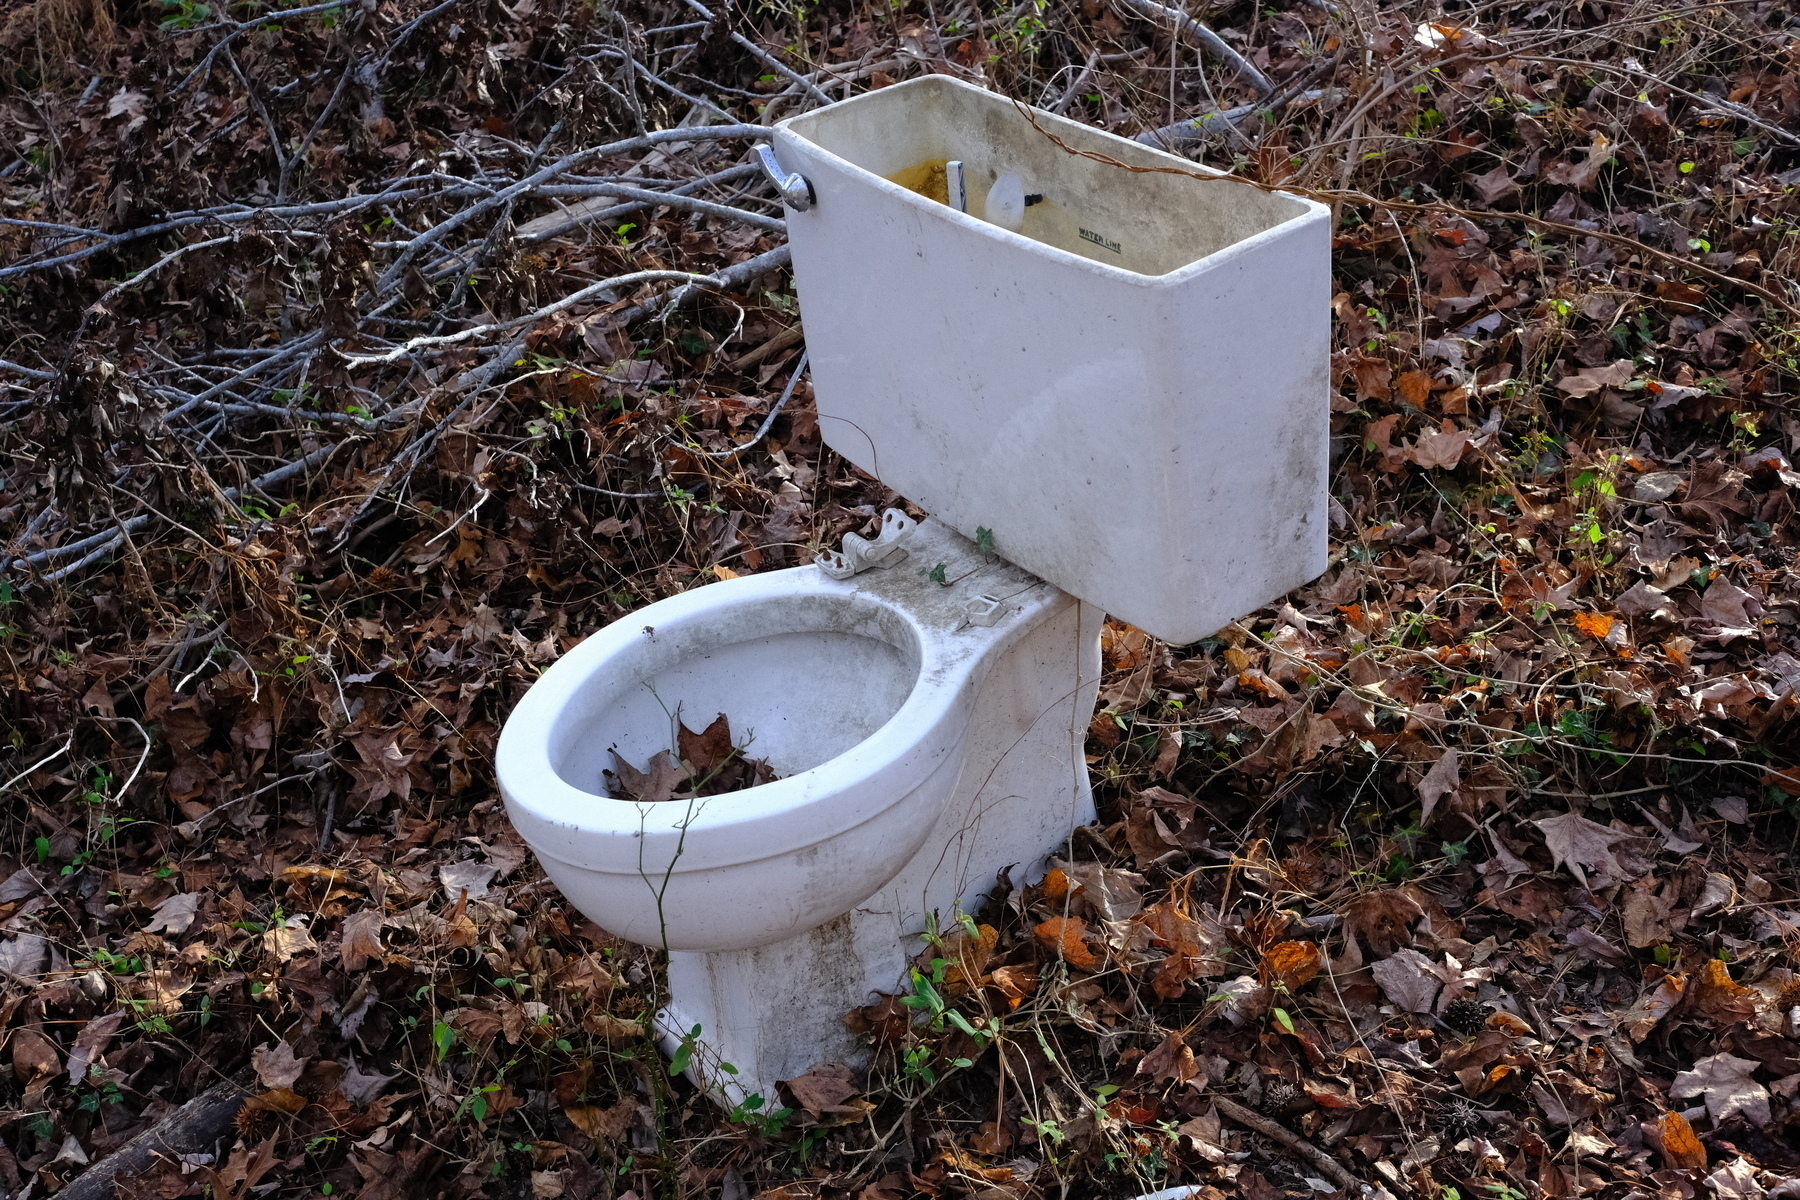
(1113, 399)
(858, 692)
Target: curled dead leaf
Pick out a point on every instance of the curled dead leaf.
(616, 1029)
(1066, 935)
(277, 1100)
(604, 1125)
(1717, 997)
(1291, 964)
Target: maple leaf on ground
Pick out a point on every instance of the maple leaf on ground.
(24, 956)
(1575, 842)
(1724, 1083)
(1713, 493)
(362, 1088)
(1497, 184)
(1382, 919)
(1409, 980)
(827, 1093)
(1655, 1004)
(1715, 995)
(1442, 447)
(361, 942)
(1067, 936)
(1643, 600)
(469, 879)
(1114, 895)
(1291, 964)
(1736, 1180)
(276, 1065)
(1419, 985)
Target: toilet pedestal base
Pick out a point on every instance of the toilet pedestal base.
(774, 1011)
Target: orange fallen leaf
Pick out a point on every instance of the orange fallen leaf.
(1718, 997)
(281, 1100)
(1680, 1148)
(957, 1160)
(1056, 884)
(1065, 935)
(1291, 964)
(1595, 625)
(1508, 1024)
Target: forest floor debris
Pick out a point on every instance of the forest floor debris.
(356, 360)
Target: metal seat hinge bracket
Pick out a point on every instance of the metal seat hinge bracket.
(860, 554)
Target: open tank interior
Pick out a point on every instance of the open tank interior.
(1145, 220)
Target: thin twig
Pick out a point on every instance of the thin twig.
(1251, 1119)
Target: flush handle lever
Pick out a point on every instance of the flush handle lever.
(796, 190)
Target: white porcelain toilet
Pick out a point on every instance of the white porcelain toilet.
(1118, 384)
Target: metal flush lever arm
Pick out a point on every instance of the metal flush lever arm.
(860, 553)
(796, 190)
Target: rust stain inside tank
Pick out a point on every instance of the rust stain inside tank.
(929, 179)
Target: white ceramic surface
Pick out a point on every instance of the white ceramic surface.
(775, 1010)
(861, 693)
(1131, 392)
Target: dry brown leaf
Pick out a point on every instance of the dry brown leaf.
(618, 1029)
(1715, 996)
(1066, 935)
(1016, 983)
(1440, 448)
(1172, 1060)
(827, 1093)
(1382, 919)
(276, 1065)
(604, 1125)
(361, 943)
(1291, 964)
(277, 1100)
(1724, 1084)
(1442, 780)
(1595, 625)
(34, 1056)
(1575, 842)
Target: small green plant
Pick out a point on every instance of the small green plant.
(184, 14)
(915, 1064)
(750, 1112)
(684, 1052)
(475, 1104)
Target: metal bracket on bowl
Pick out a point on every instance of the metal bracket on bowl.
(796, 190)
(860, 553)
(984, 611)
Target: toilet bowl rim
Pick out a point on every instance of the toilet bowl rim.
(823, 801)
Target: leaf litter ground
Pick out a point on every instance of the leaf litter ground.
(1465, 871)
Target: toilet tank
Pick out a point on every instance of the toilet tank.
(1130, 391)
